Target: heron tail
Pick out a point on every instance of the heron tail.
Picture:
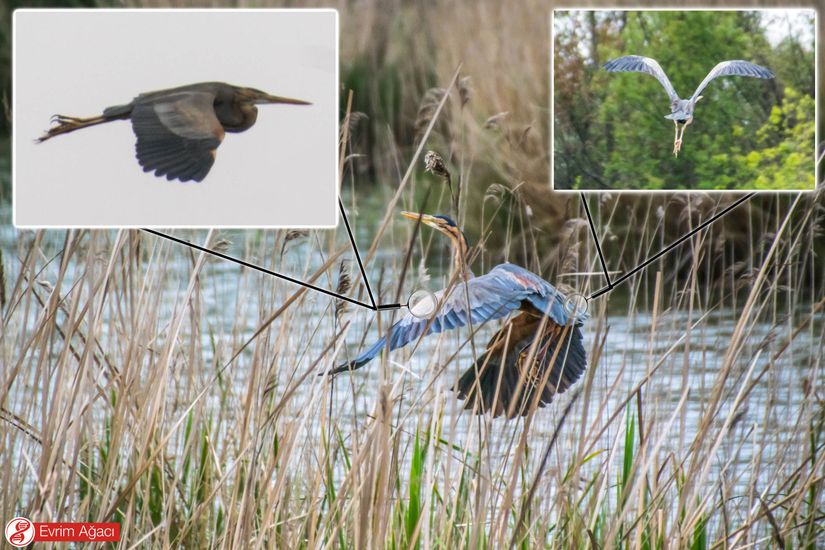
(495, 384)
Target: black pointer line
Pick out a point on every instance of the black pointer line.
(274, 274)
(383, 307)
(668, 248)
(357, 255)
(596, 240)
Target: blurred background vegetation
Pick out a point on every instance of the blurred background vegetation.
(397, 56)
(748, 134)
(220, 475)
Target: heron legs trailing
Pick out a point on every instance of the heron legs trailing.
(677, 137)
(67, 124)
(677, 144)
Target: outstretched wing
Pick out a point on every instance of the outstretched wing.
(177, 134)
(737, 67)
(523, 366)
(641, 64)
(492, 296)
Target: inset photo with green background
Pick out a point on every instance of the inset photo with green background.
(684, 100)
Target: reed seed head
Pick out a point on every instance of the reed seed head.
(434, 164)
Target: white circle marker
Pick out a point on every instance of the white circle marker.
(19, 532)
(422, 304)
(575, 305)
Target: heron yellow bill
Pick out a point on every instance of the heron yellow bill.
(425, 218)
(280, 99)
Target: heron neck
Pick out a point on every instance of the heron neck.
(238, 117)
(460, 254)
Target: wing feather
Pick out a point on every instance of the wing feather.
(504, 289)
(641, 64)
(735, 67)
(177, 134)
(512, 375)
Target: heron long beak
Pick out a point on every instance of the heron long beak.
(278, 99)
(426, 219)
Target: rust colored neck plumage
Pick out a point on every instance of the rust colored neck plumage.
(460, 256)
(243, 118)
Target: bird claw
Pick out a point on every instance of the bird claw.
(60, 124)
(677, 146)
(64, 120)
(59, 119)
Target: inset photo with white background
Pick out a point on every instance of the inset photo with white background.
(175, 118)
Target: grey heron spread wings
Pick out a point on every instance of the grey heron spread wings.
(536, 354)
(640, 64)
(682, 109)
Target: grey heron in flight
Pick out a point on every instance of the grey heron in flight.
(682, 109)
(535, 355)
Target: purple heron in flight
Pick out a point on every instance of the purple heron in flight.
(682, 109)
(536, 354)
(179, 130)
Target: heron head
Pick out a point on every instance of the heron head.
(257, 97)
(443, 224)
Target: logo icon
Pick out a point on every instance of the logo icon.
(20, 532)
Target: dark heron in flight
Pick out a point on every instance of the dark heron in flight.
(178, 130)
(535, 355)
(682, 109)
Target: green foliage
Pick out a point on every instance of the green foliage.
(626, 479)
(786, 159)
(413, 516)
(747, 133)
(699, 541)
(627, 459)
(156, 495)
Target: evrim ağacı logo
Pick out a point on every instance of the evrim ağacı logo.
(20, 532)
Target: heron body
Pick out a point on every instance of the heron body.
(536, 354)
(179, 130)
(681, 110)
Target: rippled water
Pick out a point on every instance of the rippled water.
(631, 349)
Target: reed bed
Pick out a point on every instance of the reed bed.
(153, 385)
